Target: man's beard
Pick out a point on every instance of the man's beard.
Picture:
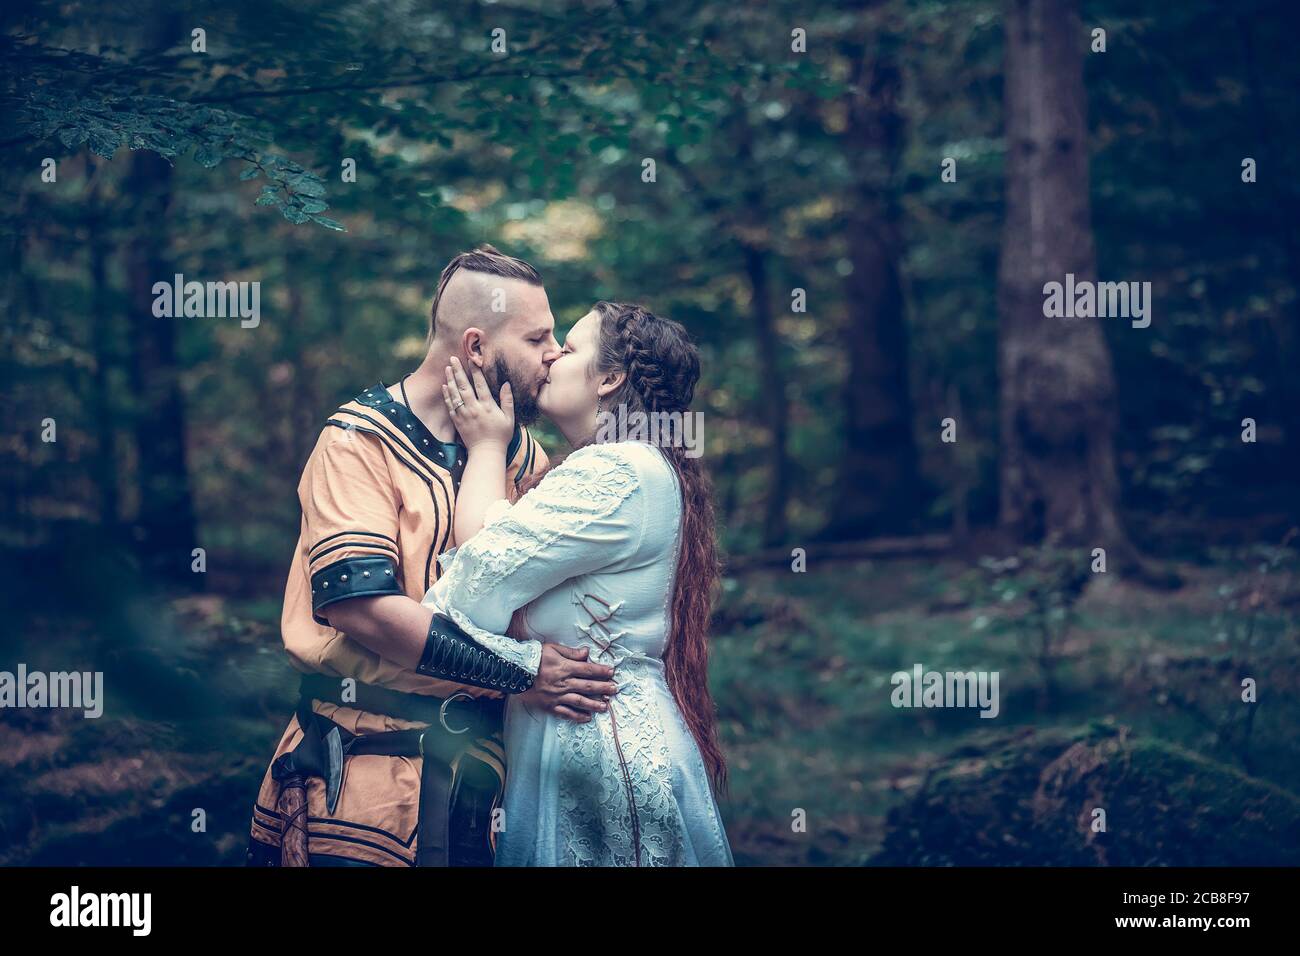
(526, 410)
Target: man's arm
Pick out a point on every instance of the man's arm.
(406, 632)
(393, 626)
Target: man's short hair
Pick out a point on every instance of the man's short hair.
(488, 260)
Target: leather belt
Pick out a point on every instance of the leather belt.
(458, 713)
(454, 724)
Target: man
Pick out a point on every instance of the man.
(394, 756)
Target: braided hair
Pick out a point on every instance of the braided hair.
(661, 362)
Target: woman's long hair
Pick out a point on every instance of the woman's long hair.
(662, 365)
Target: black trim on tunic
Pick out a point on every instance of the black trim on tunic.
(448, 455)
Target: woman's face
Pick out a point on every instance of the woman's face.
(569, 394)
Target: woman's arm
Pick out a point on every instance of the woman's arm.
(586, 514)
(482, 483)
(486, 431)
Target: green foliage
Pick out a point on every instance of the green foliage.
(104, 118)
(1048, 581)
(539, 151)
(1252, 641)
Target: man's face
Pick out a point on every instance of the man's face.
(522, 349)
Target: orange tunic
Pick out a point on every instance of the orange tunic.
(378, 494)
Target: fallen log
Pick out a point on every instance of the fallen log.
(818, 552)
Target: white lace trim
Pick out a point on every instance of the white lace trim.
(525, 654)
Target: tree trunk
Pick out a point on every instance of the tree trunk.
(753, 238)
(776, 408)
(877, 487)
(104, 345)
(165, 530)
(1058, 403)
(1286, 215)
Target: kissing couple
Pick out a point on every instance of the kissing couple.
(503, 661)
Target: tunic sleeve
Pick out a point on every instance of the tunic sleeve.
(350, 513)
(588, 513)
(528, 460)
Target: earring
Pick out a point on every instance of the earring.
(599, 401)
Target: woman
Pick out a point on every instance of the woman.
(590, 556)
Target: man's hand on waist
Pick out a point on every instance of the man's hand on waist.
(570, 686)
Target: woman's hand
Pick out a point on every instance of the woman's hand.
(477, 417)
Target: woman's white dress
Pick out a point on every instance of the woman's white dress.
(592, 553)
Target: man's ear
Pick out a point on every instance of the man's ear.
(471, 343)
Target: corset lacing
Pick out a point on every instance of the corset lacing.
(604, 646)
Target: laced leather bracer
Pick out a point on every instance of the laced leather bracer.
(451, 654)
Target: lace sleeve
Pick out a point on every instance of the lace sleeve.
(586, 514)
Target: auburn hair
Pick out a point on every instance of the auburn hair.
(662, 366)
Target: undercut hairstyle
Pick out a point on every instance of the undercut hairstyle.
(487, 260)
